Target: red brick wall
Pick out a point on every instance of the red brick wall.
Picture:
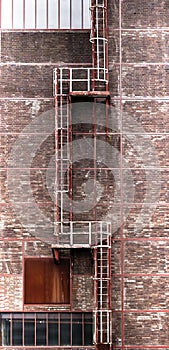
(28, 60)
(139, 56)
(139, 87)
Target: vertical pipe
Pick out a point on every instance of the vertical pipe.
(71, 281)
(94, 161)
(70, 138)
(107, 106)
(70, 130)
(106, 42)
(56, 151)
(121, 173)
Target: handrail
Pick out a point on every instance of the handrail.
(83, 233)
(86, 76)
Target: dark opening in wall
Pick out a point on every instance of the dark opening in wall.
(103, 347)
(46, 329)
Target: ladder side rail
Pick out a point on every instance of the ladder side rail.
(108, 327)
(57, 100)
(99, 37)
(71, 233)
(88, 79)
(103, 277)
(97, 42)
(105, 53)
(90, 233)
(61, 207)
(101, 326)
(101, 265)
(106, 35)
(55, 82)
(71, 80)
(61, 84)
(96, 295)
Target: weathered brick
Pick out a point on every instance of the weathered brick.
(137, 135)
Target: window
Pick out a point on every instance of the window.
(45, 14)
(47, 282)
(46, 329)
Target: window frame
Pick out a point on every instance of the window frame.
(49, 26)
(9, 320)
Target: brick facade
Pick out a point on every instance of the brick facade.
(139, 88)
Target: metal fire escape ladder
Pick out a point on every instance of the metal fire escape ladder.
(102, 287)
(84, 81)
(102, 252)
(99, 41)
(62, 158)
(91, 80)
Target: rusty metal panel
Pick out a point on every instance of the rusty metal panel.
(47, 282)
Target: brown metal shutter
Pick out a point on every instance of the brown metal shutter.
(46, 282)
